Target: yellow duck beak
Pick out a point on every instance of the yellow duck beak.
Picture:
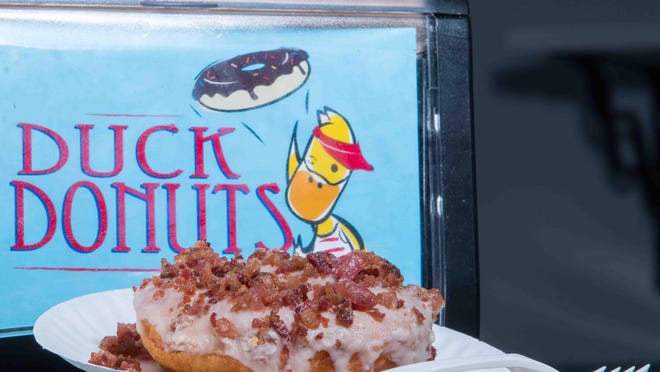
(310, 197)
(316, 179)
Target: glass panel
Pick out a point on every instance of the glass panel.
(130, 134)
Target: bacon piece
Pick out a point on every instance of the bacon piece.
(167, 270)
(331, 295)
(250, 269)
(387, 299)
(376, 314)
(418, 314)
(278, 325)
(257, 295)
(126, 342)
(188, 257)
(284, 357)
(297, 331)
(291, 264)
(349, 266)
(197, 307)
(224, 327)
(159, 293)
(323, 262)
(433, 352)
(309, 318)
(436, 301)
(296, 296)
(275, 258)
(344, 313)
(121, 351)
(361, 297)
(257, 323)
(258, 254)
(129, 365)
(120, 362)
(322, 361)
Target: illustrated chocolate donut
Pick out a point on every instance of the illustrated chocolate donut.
(251, 80)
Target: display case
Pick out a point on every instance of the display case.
(133, 129)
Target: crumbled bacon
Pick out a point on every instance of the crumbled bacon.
(377, 315)
(271, 279)
(198, 307)
(344, 313)
(257, 295)
(433, 352)
(297, 331)
(278, 325)
(309, 318)
(121, 362)
(324, 262)
(330, 294)
(349, 266)
(224, 327)
(167, 270)
(284, 357)
(387, 299)
(361, 297)
(125, 342)
(436, 300)
(296, 296)
(418, 314)
(257, 323)
(295, 263)
(159, 293)
(122, 351)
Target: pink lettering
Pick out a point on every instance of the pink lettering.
(231, 213)
(20, 216)
(102, 215)
(149, 198)
(201, 209)
(275, 213)
(217, 150)
(171, 216)
(142, 151)
(27, 149)
(85, 150)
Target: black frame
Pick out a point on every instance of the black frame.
(448, 204)
(459, 264)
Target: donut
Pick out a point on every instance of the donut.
(181, 361)
(277, 312)
(251, 80)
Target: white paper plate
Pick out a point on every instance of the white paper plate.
(73, 330)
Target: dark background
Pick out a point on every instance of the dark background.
(566, 185)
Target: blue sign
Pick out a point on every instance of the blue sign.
(120, 149)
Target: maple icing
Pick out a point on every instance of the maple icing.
(271, 305)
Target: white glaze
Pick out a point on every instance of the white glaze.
(398, 336)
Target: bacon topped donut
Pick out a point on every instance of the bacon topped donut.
(251, 80)
(277, 312)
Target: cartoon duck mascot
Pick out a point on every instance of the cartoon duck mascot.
(316, 180)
